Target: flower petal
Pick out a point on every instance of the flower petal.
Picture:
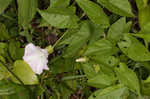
(36, 58)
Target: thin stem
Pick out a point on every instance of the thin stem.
(59, 40)
(6, 16)
(73, 77)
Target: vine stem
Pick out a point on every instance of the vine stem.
(50, 48)
(73, 77)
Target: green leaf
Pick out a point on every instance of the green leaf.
(127, 27)
(59, 3)
(130, 46)
(145, 28)
(26, 11)
(147, 80)
(59, 65)
(27, 35)
(128, 77)
(4, 73)
(106, 70)
(2, 59)
(60, 17)
(144, 33)
(101, 80)
(23, 94)
(89, 70)
(140, 4)
(4, 51)
(3, 48)
(78, 40)
(15, 51)
(110, 61)
(146, 86)
(101, 48)
(97, 31)
(67, 38)
(119, 7)
(3, 32)
(115, 33)
(4, 5)
(44, 23)
(144, 16)
(9, 90)
(113, 92)
(145, 36)
(94, 12)
(99, 76)
(25, 73)
(132, 96)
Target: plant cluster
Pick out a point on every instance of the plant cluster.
(74, 49)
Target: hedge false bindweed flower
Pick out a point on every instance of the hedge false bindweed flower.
(36, 57)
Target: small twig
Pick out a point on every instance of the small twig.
(73, 77)
(59, 40)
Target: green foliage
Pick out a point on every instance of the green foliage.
(144, 16)
(4, 73)
(101, 81)
(26, 11)
(9, 90)
(3, 5)
(128, 77)
(78, 40)
(113, 92)
(119, 7)
(91, 10)
(24, 72)
(3, 32)
(115, 33)
(130, 46)
(15, 51)
(59, 3)
(60, 17)
(99, 49)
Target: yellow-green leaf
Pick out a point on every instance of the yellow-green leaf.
(24, 73)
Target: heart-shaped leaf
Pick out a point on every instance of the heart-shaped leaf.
(24, 73)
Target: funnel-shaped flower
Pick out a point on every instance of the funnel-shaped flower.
(36, 58)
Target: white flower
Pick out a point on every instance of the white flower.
(36, 58)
